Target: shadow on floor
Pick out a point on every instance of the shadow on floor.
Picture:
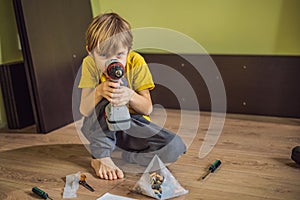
(288, 162)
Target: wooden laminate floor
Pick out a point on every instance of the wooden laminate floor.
(254, 150)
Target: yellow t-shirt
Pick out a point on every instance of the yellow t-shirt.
(137, 73)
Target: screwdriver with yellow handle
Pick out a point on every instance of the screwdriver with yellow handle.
(41, 193)
(212, 168)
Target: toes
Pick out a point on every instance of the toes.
(106, 169)
(110, 175)
(120, 173)
(104, 176)
(101, 176)
(113, 174)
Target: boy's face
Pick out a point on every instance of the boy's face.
(100, 58)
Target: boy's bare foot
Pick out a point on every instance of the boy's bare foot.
(105, 168)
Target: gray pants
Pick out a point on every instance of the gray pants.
(139, 143)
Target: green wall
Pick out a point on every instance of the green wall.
(9, 45)
(265, 27)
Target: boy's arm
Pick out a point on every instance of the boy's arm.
(90, 97)
(141, 102)
(88, 101)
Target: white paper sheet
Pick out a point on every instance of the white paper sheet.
(108, 196)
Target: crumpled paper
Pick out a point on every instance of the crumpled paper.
(72, 185)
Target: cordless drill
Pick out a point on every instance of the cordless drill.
(117, 117)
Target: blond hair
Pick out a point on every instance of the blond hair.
(108, 32)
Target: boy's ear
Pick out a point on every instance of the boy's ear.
(86, 48)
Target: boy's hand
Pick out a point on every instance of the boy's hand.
(106, 89)
(114, 93)
(121, 96)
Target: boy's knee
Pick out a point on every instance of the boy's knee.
(173, 150)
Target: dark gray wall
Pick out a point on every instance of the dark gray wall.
(262, 85)
(52, 36)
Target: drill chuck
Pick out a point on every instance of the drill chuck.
(115, 70)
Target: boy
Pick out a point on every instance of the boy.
(109, 37)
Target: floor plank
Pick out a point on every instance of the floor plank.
(254, 150)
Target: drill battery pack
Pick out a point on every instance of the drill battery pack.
(117, 117)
